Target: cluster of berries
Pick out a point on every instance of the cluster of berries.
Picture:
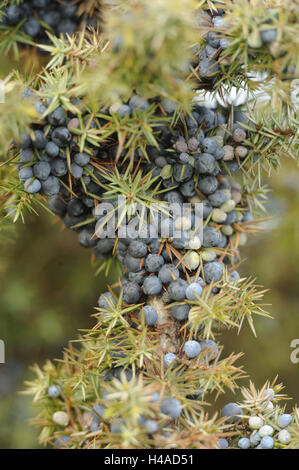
(209, 55)
(192, 167)
(39, 16)
(265, 429)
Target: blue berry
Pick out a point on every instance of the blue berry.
(40, 140)
(150, 315)
(177, 289)
(25, 173)
(210, 346)
(284, 420)
(14, 14)
(82, 159)
(62, 441)
(57, 118)
(132, 263)
(153, 263)
(50, 186)
(168, 359)
(217, 198)
(244, 443)
(137, 102)
(59, 167)
(98, 412)
(268, 35)
(137, 249)
(152, 285)
(234, 276)
(171, 407)
(42, 170)
(124, 110)
(168, 273)
(75, 207)
(66, 27)
(180, 312)
(205, 164)
(26, 155)
(31, 27)
(57, 206)
(115, 426)
(54, 391)
(106, 300)
(76, 170)
(208, 184)
(52, 149)
(267, 442)
(191, 348)
(209, 145)
(213, 271)
(32, 186)
(131, 293)
(230, 410)
(211, 237)
(151, 426)
(223, 443)
(61, 136)
(193, 291)
(86, 238)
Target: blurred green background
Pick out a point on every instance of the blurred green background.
(48, 290)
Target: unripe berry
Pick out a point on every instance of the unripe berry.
(61, 418)
(255, 422)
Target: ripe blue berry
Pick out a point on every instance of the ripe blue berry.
(267, 442)
(193, 291)
(177, 289)
(213, 271)
(168, 359)
(244, 443)
(26, 155)
(50, 186)
(191, 348)
(106, 300)
(54, 391)
(211, 237)
(32, 186)
(151, 426)
(59, 167)
(82, 159)
(131, 293)
(137, 249)
(40, 140)
(231, 410)
(61, 136)
(150, 315)
(153, 263)
(76, 170)
(152, 285)
(208, 184)
(25, 173)
(223, 443)
(180, 312)
(42, 170)
(171, 407)
(168, 273)
(284, 420)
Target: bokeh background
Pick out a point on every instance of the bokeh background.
(48, 289)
